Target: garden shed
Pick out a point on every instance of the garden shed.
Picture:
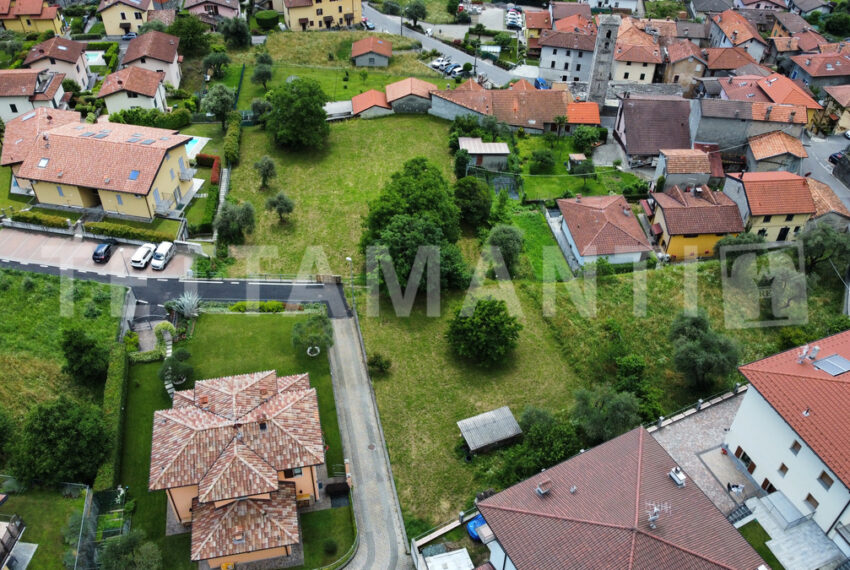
(489, 430)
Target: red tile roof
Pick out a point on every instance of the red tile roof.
(585, 113)
(683, 49)
(23, 131)
(599, 225)
(841, 48)
(132, 79)
(575, 23)
(714, 157)
(234, 4)
(237, 472)
(538, 20)
(737, 28)
(701, 211)
(781, 89)
(727, 58)
(153, 44)
(570, 40)
(823, 64)
(638, 53)
(791, 388)
(522, 85)
(529, 109)
(841, 94)
(785, 43)
(776, 143)
(372, 44)
(824, 197)
(140, 4)
(469, 85)
(409, 86)
(57, 48)
(603, 524)
(367, 100)
(30, 9)
(686, 160)
(743, 88)
(754, 111)
(772, 193)
(809, 40)
(566, 9)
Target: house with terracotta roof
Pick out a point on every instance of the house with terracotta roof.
(829, 209)
(781, 46)
(776, 205)
(776, 150)
(731, 29)
(623, 6)
(595, 510)
(410, 95)
(213, 10)
(371, 52)
(582, 113)
(684, 63)
(567, 55)
(133, 88)
(61, 56)
(791, 432)
(128, 170)
(303, 15)
(722, 62)
(683, 167)
(122, 16)
(809, 7)
(687, 222)
(836, 112)
(732, 123)
(156, 51)
(647, 123)
(370, 104)
(22, 90)
(535, 22)
(236, 456)
(598, 227)
(821, 69)
(636, 53)
(561, 10)
(27, 16)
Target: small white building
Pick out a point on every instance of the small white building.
(22, 90)
(492, 156)
(133, 88)
(61, 56)
(156, 51)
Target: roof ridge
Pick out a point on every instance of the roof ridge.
(682, 548)
(277, 524)
(638, 478)
(558, 517)
(831, 379)
(212, 464)
(251, 467)
(174, 456)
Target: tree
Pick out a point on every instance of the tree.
(503, 39)
(602, 413)
(192, 33)
(745, 238)
(501, 213)
(486, 335)
(262, 74)
(260, 108)
(297, 118)
(547, 440)
(701, 354)
(266, 169)
(315, 330)
(280, 204)
(85, 360)
(586, 169)
(467, 67)
(392, 8)
(542, 162)
(508, 241)
(451, 7)
(216, 62)
(71, 86)
(416, 11)
(130, 552)
(235, 31)
(474, 199)
(233, 222)
(838, 24)
(61, 440)
(821, 242)
(461, 163)
(219, 101)
(175, 369)
(263, 58)
(584, 137)
(8, 432)
(267, 19)
(152, 26)
(561, 122)
(461, 17)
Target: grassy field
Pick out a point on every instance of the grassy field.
(319, 526)
(211, 131)
(662, 9)
(538, 238)
(6, 197)
(330, 188)
(158, 224)
(223, 345)
(757, 536)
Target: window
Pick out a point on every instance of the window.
(138, 15)
(563, 78)
(644, 64)
(762, 232)
(795, 447)
(578, 67)
(568, 53)
(371, 59)
(13, 108)
(340, 10)
(59, 189)
(43, 162)
(132, 95)
(296, 471)
(320, 23)
(551, 66)
(123, 16)
(143, 60)
(642, 76)
(119, 199)
(134, 175)
(52, 61)
(319, 12)
(28, 22)
(691, 235)
(288, 473)
(625, 76)
(698, 67)
(812, 502)
(78, 67)
(629, 63)
(783, 470)
(312, 23)
(566, 66)
(554, 52)
(172, 173)
(581, 53)
(675, 79)
(825, 480)
(796, 230)
(789, 217)
(767, 219)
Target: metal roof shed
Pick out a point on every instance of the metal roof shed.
(489, 430)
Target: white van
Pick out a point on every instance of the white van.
(163, 254)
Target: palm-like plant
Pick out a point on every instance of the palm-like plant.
(188, 305)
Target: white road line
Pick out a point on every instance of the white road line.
(24, 262)
(235, 282)
(45, 266)
(202, 281)
(159, 279)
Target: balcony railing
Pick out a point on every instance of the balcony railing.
(186, 174)
(164, 206)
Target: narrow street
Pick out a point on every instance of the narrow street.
(819, 166)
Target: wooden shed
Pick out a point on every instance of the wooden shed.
(489, 430)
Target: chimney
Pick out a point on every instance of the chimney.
(578, 198)
(626, 211)
(808, 61)
(814, 353)
(543, 487)
(734, 36)
(793, 113)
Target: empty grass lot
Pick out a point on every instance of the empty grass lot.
(330, 188)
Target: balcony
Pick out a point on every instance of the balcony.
(187, 174)
(164, 206)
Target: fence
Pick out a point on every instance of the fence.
(14, 528)
(700, 405)
(498, 180)
(103, 518)
(128, 313)
(349, 554)
(239, 86)
(435, 533)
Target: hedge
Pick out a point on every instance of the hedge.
(149, 356)
(231, 138)
(215, 162)
(127, 232)
(39, 219)
(97, 46)
(206, 225)
(263, 307)
(153, 118)
(267, 19)
(79, 37)
(114, 398)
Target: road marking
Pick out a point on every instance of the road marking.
(160, 279)
(235, 282)
(202, 281)
(24, 262)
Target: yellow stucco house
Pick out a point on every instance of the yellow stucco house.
(122, 169)
(687, 223)
(775, 205)
(236, 457)
(836, 112)
(31, 16)
(122, 16)
(304, 15)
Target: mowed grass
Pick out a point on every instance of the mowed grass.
(330, 188)
(211, 131)
(6, 197)
(755, 534)
(540, 243)
(319, 526)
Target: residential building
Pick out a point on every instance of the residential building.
(577, 23)
(582, 113)
(133, 88)
(22, 90)
(791, 431)
(636, 55)
(492, 156)
(560, 10)
(302, 15)
(731, 29)
(829, 209)
(703, 9)
(788, 23)
(781, 46)
(696, 32)
(619, 5)
(156, 51)
(213, 11)
(776, 150)
(762, 20)
(732, 123)
(371, 52)
(535, 22)
(821, 69)
(122, 16)
(410, 95)
(808, 7)
(685, 62)
(602, 227)
(774, 88)
(596, 510)
(809, 40)
(647, 123)
(27, 16)
(722, 62)
(566, 56)
(836, 112)
(684, 167)
(776, 205)
(760, 5)
(121, 169)
(61, 56)
(236, 456)
(370, 104)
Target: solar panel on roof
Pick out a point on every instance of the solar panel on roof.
(147, 141)
(134, 139)
(163, 138)
(833, 365)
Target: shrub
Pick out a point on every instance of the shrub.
(542, 162)
(39, 219)
(131, 342)
(149, 356)
(205, 159)
(114, 398)
(267, 19)
(83, 37)
(602, 133)
(85, 360)
(231, 142)
(330, 546)
(486, 334)
(379, 364)
(127, 232)
(215, 175)
(315, 330)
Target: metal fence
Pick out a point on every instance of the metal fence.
(103, 519)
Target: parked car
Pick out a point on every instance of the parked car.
(458, 72)
(847, 134)
(513, 26)
(445, 65)
(143, 255)
(439, 62)
(369, 25)
(836, 156)
(448, 70)
(129, 36)
(541, 83)
(103, 251)
(163, 254)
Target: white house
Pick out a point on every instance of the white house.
(566, 56)
(792, 431)
(61, 56)
(131, 88)
(156, 51)
(731, 29)
(22, 90)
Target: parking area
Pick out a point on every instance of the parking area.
(76, 253)
(492, 18)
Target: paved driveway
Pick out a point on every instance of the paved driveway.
(492, 18)
(821, 169)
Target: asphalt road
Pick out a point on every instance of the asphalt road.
(820, 168)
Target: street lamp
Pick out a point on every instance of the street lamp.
(121, 253)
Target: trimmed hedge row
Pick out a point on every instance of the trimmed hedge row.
(47, 220)
(175, 120)
(149, 356)
(232, 137)
(206, 225)
(96, 46)
(83, 37)
(267, 19)
(215, 162)
(114, 398)
(126, 232)
(261, 307)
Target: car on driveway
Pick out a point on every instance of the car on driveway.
(163, 254)
(847, 134)
(440, 61)
(836, 156)
(450, 69)
(143, 255)
(369, 25)
(129, 36)
(103, 251)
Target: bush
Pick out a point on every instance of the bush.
(486, 334)
(315, 330)
(85, 360)
(39, 219)
(542, 162)
(131, 342)
(329, 546)
(127, 232)
(84, 37)
(174, 120)
(267, 19)
(379, 364)
(231, 141)
(602, 133)
(114, 398)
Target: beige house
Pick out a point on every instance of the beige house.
(156, 51)
(61, 56)
(22, 90)
(122, 16)
(133, 88)
(236, 457)
(836, 112)
(636, 55)
(303, 15)
(121, 169)
(685, 62)
(776, 205)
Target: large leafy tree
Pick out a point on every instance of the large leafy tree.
(61, 440)
(584, 137)
(821, 243)
(266, 169)
(236, 32)
(315, 330)
(86, 361)
(192, 33)
(416, 11)
(701, 354)
(473, 197)
(297, 118)
(130, 552)
(485, 335)
(602, 413)
(234, 221)
(216, 62)
(508, 241)
(280, 204)
(219, 101)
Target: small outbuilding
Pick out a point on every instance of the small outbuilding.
(371, 52)
(492, 156)
(489, 430)
(370, 104)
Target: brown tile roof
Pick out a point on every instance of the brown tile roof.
(791, 388)
(727, 58)
(566, 9)
(522, 85)
(655, 122)
(529, 109)
(823, 64)
(75, 149)
(372, 44)
(297, 3)
(772, 193)
(245, 526)
(781, 89)
(57, 48)
(742, 88)
(189, 439)
(575, 23)
(20, 82)
(132, 79)
(469, 85)
(23, 131)
(785, 43)
(792, 22)
(237, 472)
(841, 94)
(538, 20)
(153, 44)
(714, 157)
(683, 49)
(31, 9)
(367, 100)
(686, 160)
(599, 226)
(736, 26)
(841, 48)
(409, 86)
(140, 4)
(698, 212)
(825, 199)
(4, 6)
(167, 17)
(638, 53)
(569, 40)
(228, 3)
(698, 30)
(28, 7)
(604, 523)
(809, 40)
(584, 113)
(665, 28)
(776, 143)
(745, 110)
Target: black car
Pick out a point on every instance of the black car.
(103, 251)
(835, 157)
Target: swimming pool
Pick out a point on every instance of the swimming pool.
(93, 56)
(195, 145)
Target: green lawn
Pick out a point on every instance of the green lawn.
(6, 197)
(319, 526)
(538, 238)
(195, 212)
(663, 9)
(555, 185)
(157, 224)
(211, 131)
(757, 536)
(73, 216)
